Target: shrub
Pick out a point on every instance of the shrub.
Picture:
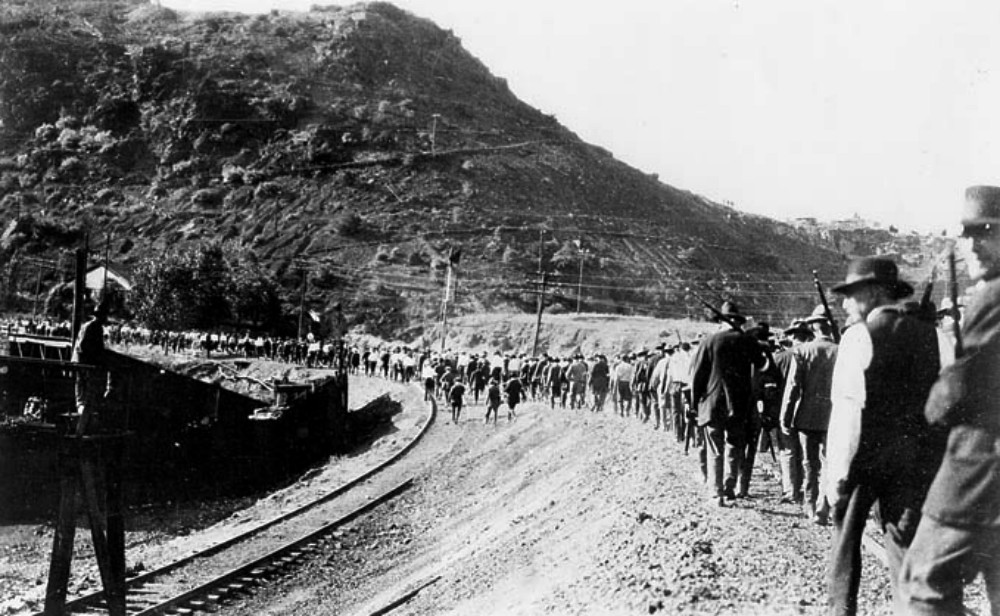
(348, 224)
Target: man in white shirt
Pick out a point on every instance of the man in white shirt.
(880, 451)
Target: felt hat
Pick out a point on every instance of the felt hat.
(874, 270)
(731, 311)
(761, 331)
(982, 207)
(818, 315)
(798, 326)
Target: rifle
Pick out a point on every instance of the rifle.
(715, 311)
(925, 299)
(956, 315)
(826, 308)
(689, 425)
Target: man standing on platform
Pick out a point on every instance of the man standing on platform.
(92, 386)
(959, 534)
(880, 451)
(721, 390)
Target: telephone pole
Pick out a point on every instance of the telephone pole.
(541, 293)
(302, 298)
(584, 253)
(444, 310)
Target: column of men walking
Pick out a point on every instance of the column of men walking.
(892, 420)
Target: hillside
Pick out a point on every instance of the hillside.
(360, 145)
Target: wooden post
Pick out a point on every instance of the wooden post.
(79, 281)
(62, 541)
(538, 319)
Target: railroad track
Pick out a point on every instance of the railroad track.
(220, 573)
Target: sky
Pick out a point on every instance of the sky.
(786, 108)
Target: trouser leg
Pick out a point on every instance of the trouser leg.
(811, 443)
(735, 437)
(749, 453)
(790, 459)
(844, 568)
(937, 564)
(714, 453)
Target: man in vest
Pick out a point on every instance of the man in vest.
(880, 451)
(959, 533)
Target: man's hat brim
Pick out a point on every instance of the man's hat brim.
(899, 288)
(798, 329)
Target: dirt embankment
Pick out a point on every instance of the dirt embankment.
(568, 512)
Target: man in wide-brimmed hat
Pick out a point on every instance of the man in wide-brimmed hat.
(959, 534)
(721, 390)
(880, 450)
(805, 408)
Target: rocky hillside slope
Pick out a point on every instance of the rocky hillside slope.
(360, 145)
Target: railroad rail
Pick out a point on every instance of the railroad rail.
(169, 590)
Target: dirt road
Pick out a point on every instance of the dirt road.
(569, 512)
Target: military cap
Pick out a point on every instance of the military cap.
(982, 207)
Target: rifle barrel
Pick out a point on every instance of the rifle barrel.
(826, 308)
(956, 314)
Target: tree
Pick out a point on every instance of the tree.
(204, 287)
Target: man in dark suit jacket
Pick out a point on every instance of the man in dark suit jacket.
(805, 409)
(722, 391)
(959, 534)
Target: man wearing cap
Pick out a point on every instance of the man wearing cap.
(959, 534)
(805, 407)
(721, 390)
(880, 451)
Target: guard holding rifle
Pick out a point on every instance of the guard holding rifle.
(959, 534)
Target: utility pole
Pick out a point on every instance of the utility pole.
(444, 307)
(302, 298)
(579, 285)
(80, 279)
(107, 261)
(541, 294)
(38, 289)
(538, 316)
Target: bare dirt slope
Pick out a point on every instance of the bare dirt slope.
(568, 512)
